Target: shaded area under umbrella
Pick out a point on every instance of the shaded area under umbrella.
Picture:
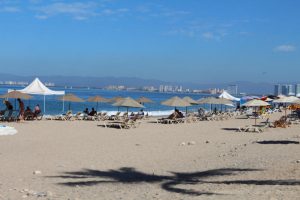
(189, 100)
(255, 103)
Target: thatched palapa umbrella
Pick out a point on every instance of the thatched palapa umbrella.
(98, 99)
(128, 103)
(15, 95)
(213, 100)
(176, 102)
(70, 98)
(115, 99)
(143, 100)
(286, 100)
(255, 103)
(216, 101)
(190, 100)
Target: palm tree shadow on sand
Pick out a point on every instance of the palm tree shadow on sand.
(171, 183)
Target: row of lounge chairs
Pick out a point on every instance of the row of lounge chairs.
(192, 117)
(119, 121)
(13, 116)
(10, 116)
(100, 116)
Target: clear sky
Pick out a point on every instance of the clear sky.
(201, 41)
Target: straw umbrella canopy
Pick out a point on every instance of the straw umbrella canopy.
(207, 100)
(216, 101)
(15, 95)
(128, 103)
(143, 100)
(297, 102)
(98, 99)
(70, 98)
(176, 102)
(190, 100)
(255, 103)
(286, 100)
(289, 99)
(115, 99)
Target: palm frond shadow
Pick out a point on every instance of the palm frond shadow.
(170, 183)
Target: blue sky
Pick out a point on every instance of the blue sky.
(200, 41)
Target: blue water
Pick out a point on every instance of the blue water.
(55, 106)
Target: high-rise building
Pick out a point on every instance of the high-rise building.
(277, 90)
(291, 90)
(297, 90)
(232, 89)
(284, 90)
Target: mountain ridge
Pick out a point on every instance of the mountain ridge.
(100, 82)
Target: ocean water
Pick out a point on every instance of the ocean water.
(55, 106)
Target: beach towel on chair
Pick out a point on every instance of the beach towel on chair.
(7, 130)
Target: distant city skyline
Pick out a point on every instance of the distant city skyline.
(196, 41)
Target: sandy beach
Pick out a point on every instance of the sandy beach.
(204, 160)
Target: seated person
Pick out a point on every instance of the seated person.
(9, 107)
(174, 115)
(178, 114)
(37, 110)
(28, 113)
(141, 112)
(86, 111)
(201, 111)
(93, 112)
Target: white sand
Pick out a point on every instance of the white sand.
(80, 160)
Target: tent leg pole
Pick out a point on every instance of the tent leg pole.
(44, 104)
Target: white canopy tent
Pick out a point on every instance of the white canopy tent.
(38, 88)
(226, 95)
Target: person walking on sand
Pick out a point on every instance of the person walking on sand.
(21, 109)
(9, 107)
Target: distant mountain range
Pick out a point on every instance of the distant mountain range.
(79, 81)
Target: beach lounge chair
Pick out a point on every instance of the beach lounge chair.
(250, 128)
(15, 116)
(115, 117)
(78, 116)
(10, 116)
(282, 122)
(5, 116)
(103, 116)
(123, 124)
(64, 117)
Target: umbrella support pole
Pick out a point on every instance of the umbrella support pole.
(63, 110)
(44, 104)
